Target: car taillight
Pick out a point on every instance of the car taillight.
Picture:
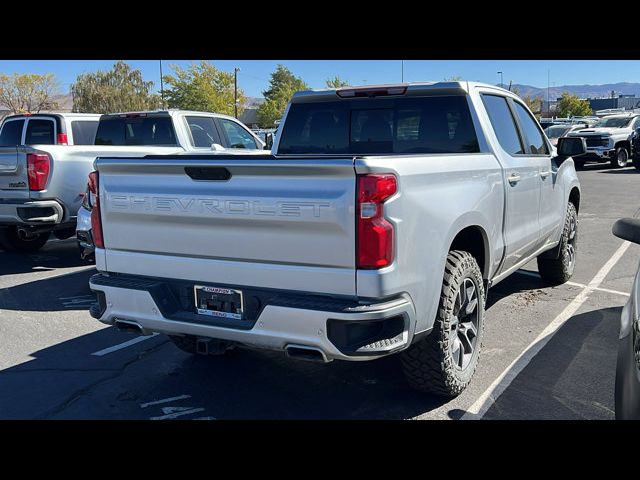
(96, 221)
(62, 139)
(375, 233)
(38, 168)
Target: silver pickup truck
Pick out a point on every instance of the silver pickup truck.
(376, 226)
(45, 161)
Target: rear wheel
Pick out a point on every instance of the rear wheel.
(444, 362)
(620, 158)
(559, 270)
(15, 239)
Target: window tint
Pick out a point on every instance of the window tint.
(40, 132)
(84, 132)
(440, 124)
(136, 131)
(503, 124)
(534, 139)
(203, 132)
(238, 137)
(11, 133)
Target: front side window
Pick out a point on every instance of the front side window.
(11, 133)
(238, 136)
(437, 124)
(503, 124)
(203, 131)
(40, 132)
(535, 141)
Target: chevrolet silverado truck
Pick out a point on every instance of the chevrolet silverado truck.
(375, 227)
(45, 161)
(611, 139)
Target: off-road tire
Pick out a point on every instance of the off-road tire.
(428, 364)
(616, 161)
(12, 241)
(556, 271)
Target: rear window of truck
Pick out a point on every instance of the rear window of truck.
(437, 124)
(11, 133)
(40, 132)
(84, 132)
(136, 130)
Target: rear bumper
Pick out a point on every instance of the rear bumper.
(339, 329)
(30, 212)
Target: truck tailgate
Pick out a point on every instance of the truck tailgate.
(13, 173)
(230, 219)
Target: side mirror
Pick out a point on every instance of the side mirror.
(570, 147)
(268, 140)
(217, 147)
(627, 229)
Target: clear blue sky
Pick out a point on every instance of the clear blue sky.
(254, 74)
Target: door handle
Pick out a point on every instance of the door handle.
(514, 178)
(545, 173)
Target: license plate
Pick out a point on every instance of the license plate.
(218, 302)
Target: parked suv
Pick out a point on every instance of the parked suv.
(609, 140)
(376, 226)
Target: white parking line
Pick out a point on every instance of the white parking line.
(164, 400)
(500, 384)
(133, 341)
(178, 414)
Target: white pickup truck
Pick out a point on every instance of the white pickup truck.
(376, 226)
(45, 161)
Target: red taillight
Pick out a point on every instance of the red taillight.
(96, 221)
(375, 233)
(62, 139)
(38, 168)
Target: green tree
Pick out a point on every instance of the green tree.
(202, 87)
(571, 106)
(336, 82)
(28, 93)
(121, 89)
(282, 86)
(534, 103)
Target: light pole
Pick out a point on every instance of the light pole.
(235, 91)
(548, 95)
(501, 80)
(402, 71)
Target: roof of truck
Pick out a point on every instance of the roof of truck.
(415, 87)
(170, 112)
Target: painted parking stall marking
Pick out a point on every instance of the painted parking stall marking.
(120, 346)
(171, 412)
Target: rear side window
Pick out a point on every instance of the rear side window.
(84, 132)
(439, 124)
(136, 130)
(40, 132)
(11, 133)
(503, 123)
(203, 132)
(534, 139)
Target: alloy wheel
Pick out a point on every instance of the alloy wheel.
(464, 324)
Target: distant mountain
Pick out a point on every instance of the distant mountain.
(582, 91)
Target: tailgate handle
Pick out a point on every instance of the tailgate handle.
(208, 173)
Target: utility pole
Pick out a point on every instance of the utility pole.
(402, 71)
(548, 97)
(161, 86)
(501, 80)
(235, 90)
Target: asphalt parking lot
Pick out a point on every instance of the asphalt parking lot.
(548, 352)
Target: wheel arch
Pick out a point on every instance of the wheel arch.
(474, 239)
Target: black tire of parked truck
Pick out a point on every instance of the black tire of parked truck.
(13, 239)
(556, 271)
(621, 157)
(636, 161)
(444, 362)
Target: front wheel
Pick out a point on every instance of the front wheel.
(15, 239)
(444, 362)
(620, 158)
(556, 271)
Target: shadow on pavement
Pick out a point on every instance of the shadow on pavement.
(55, 254)
(623, 171)
(572, 377)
